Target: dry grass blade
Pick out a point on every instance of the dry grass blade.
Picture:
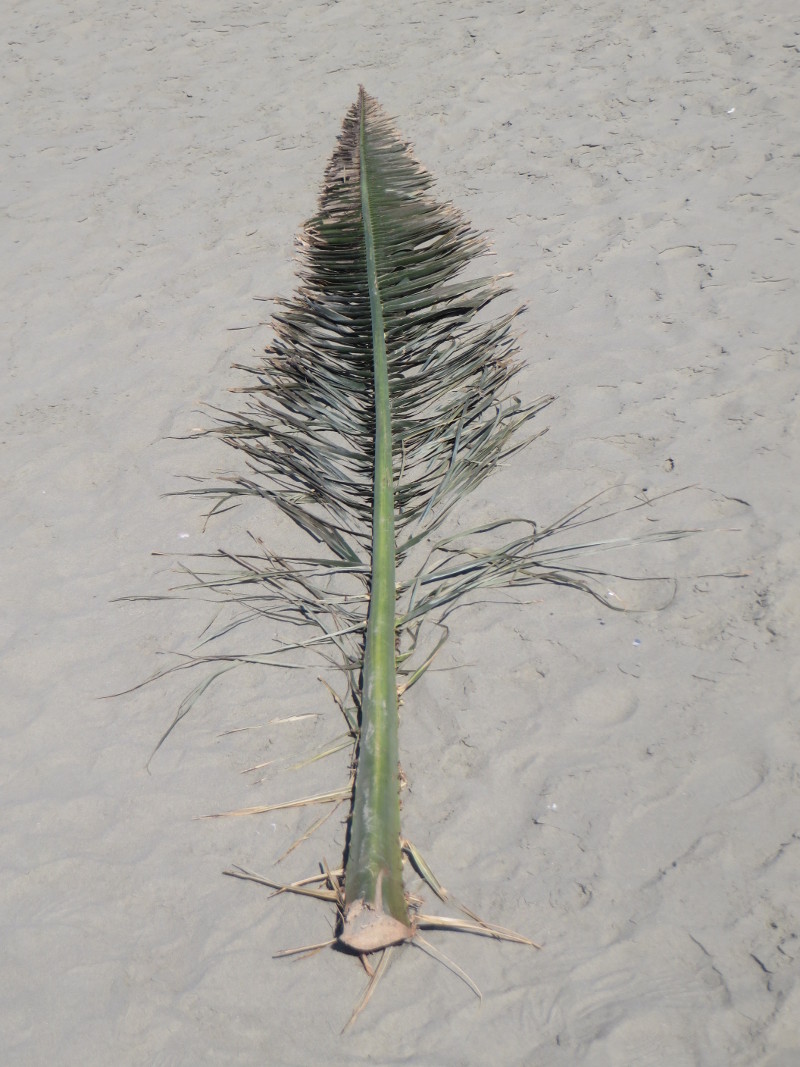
(298, 888)
(304, 952)
(308, 833)
(481, 928)
(476, 926)
(379, 972)
(451, 965)
(334, 797)
(338, 745)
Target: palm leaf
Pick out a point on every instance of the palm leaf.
(383, 400)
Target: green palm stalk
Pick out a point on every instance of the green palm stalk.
(376, 914)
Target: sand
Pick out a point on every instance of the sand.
(624, 788)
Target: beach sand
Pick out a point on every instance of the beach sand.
(624, 788)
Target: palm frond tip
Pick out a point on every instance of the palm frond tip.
(307, 429)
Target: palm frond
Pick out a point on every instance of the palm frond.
(384, 399)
